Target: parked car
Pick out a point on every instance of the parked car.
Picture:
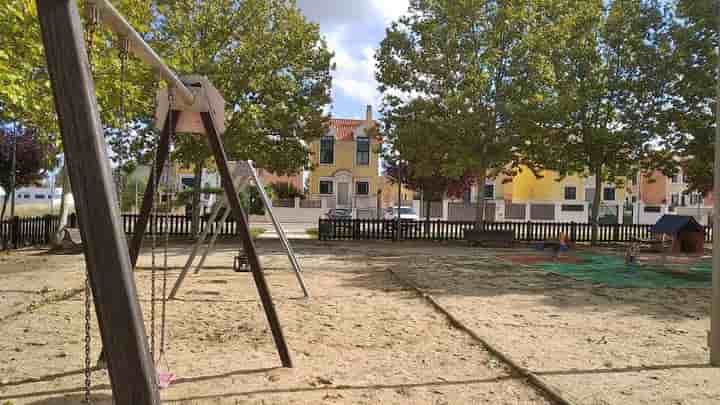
(339, 213)
(406, 214)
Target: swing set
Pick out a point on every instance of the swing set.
(192, 105)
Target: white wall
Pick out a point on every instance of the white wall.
(647, 218)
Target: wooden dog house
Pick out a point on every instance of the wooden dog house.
(686, 234)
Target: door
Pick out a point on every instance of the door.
(343, 194)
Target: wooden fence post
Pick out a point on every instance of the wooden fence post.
(47, 228)
(15, 232)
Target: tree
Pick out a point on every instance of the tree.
(30, 162)
(285, 190)
(599, 106)
(691, 118)
(470, 58)
(270, 64)
(418, 153)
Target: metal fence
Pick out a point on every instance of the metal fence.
(368, 229)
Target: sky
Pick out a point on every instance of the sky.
(353, 30)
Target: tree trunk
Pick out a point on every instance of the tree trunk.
(597, 198)
(480, 197)
(197, 193)
(5, 201)
(427, 212)
(64, 206)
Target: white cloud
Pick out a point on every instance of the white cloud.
(355, 71)
(352, 29)
(390, 10)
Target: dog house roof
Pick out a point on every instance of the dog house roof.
(674, 224)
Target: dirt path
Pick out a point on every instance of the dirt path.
(361, 339)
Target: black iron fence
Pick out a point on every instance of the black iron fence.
(369, 229)
(19, 232)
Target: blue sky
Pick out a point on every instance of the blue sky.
(353, 29)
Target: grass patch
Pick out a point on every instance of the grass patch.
(312, 232)
(256, 232)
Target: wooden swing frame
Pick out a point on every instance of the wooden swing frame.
(110, 268)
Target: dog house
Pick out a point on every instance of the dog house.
(686, 234)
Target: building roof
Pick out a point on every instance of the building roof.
(674, 224)
(345, 128)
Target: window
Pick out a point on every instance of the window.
(362, 188)
(27, 196)
(695, 199)
(188, 182)
(542, 212)
(489, 192)
(363, 151)
(675, 179)
(634, 199)
(674, 200)
(326, 187)
(573, 208)
(39, 196)
(571, 193)
(327, 150)
(609, 194)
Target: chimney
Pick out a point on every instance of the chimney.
(368, 114)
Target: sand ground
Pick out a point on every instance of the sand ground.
(361, 339)
(366, 338)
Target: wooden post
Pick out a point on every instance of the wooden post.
(130, 366)
(163, 149)
(248, 245)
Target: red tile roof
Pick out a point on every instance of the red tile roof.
(344, 128)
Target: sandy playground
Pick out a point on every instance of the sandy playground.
(366, 336)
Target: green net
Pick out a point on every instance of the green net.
(612, 271)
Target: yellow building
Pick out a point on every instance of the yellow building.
(553, 198)
(345, 162)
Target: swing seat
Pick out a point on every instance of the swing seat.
(164, 380)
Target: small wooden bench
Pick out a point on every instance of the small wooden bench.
(480, 237)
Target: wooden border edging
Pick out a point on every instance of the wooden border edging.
(550, 392)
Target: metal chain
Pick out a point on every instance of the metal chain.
(92, 19)
(169, 190)
(153, 228)
(123, 46)
(88, 340)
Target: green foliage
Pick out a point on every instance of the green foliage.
(270, 64)
(31, 155)
(285, 190)
(132, 192)
(469, 59)
(256, 232)
(25, 91)
(597, 111)
(185, 196)
(251, 201)
(691, 118)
